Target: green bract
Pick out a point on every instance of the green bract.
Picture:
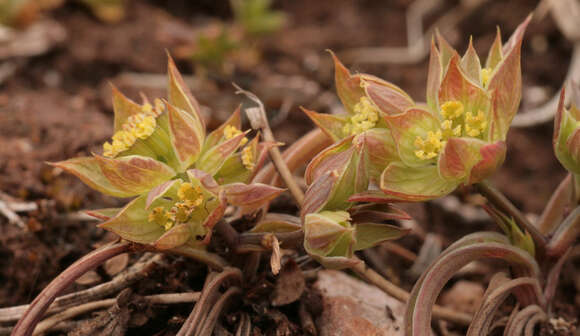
(182, 179)
(332, 237)
(567, 132)
(415, 152)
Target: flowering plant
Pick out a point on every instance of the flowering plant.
(182, 179)
(416, 152)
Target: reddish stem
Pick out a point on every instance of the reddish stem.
(38, 307)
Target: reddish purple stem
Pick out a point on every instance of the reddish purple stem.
(38, 307)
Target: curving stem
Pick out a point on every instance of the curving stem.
(38, 307)
(498, 199)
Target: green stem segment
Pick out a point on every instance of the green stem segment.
(38, 307)
(500, 201)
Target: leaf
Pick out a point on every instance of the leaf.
(506, 85)
(123, 177)
(213, 159)
(348, 87)
(495, 54)
(134, 174)
(331, 125)
(414, 184)
(103, 214)
(379, 148)
(406, 127)
(160, 190)
(470, 63)
(205, 179)
(387, 97)
(174, 237)
(186, 138)
(277, 223)
(371, 234)
(446, 51)
(318, 193)
(376, 213)
(179, 96)
(334, 158)
(457, 86)
(492, 157)
(123, 108)
(459, 254)
(216, 135)
(132, 223)
(434, 78)
(458, 157)
(216, 214)
(250, 195)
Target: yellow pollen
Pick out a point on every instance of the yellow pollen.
(192, 194)
(452, 109)
(232, 132)
(248, 158)
(161, 217)
(449, 131)
(366, 117)
(429, 147)
(137, 126)
(485, 75)
(475, 125)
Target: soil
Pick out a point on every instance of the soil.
(57, 105)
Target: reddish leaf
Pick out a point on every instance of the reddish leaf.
(174, 237)
(186, 138)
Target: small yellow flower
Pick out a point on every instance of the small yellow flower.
(232, 132)
(366, 117)
(189, 192)
(452, 109)
(429, 147)
(137, 126)
(248, 158)
(475, 125)
(485, 75)
(449, 131)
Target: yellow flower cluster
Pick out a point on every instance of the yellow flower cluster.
(232, 132)
(455, 124)
(429, 147)
(190, 197)
(137, 126)
(475, 124)
(248, 158)
(366, 117)
(485, 75)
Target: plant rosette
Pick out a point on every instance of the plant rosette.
(416, 152)
(181, 179)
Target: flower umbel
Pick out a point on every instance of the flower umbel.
(181, 179)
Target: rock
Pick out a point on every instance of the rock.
(352, 307)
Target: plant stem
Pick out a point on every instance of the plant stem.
(565, 234)
(33, 314)
(210, 259)
(259, 120)
(161, 299)
(495, 197)
(296, 155)
(400, 294)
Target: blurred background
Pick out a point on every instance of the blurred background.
(59, 57)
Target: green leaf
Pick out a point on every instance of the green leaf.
(174, 237)
(133, 225)
(277, 223)
(179, 96)
(414, 184)
(186, 138)
(406, 127)
(331, 125)
(371, 234)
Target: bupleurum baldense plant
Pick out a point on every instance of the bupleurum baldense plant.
(386, 148)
